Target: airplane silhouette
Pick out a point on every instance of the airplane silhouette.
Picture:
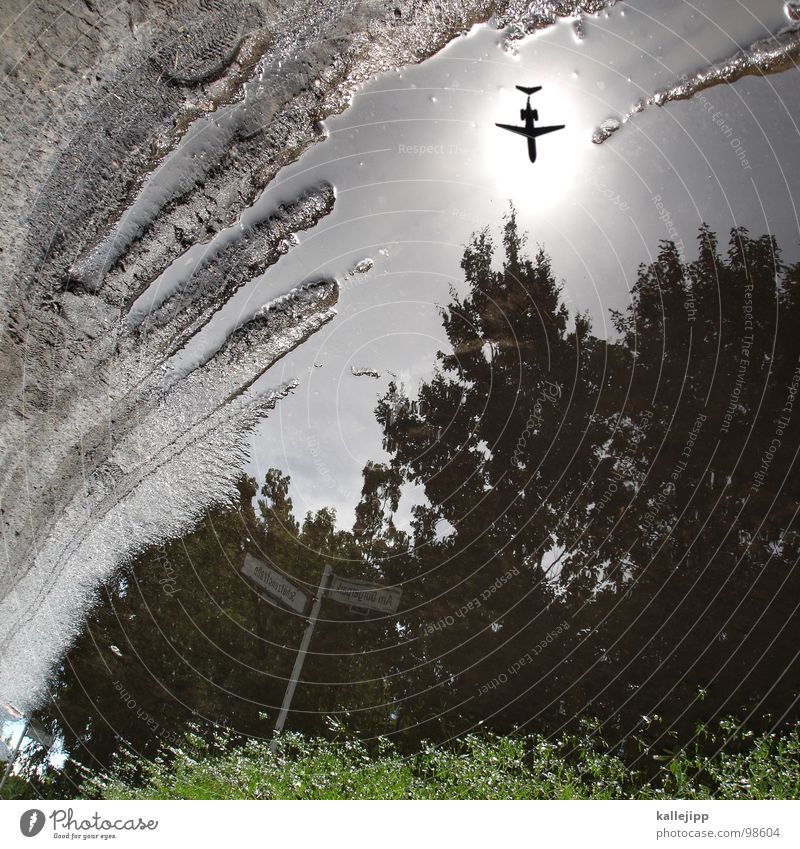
(529, 115)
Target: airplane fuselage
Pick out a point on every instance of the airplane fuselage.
(529, 115)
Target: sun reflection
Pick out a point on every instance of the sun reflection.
(559, 154)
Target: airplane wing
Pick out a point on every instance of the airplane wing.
(537, 131)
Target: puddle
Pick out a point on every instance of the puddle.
(417, 167)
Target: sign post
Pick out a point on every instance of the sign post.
(355, 594)
(301, 656)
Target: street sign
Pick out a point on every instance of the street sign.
(362, 594)
(274, 583)
(42, 737)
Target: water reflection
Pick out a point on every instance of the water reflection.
(608, 529)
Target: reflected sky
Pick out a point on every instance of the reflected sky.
(418, 166)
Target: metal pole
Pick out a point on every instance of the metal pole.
(301, 656)
(14, 755)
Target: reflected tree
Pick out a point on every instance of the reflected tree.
(181, 639)
(609, 529)
(640, 487)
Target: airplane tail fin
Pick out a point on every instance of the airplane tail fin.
(529, 91)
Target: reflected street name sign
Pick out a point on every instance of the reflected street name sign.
(274, 583)
(364, 595)
(40, 735)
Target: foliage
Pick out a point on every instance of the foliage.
(486, 766)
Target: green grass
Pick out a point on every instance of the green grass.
(737, 765)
